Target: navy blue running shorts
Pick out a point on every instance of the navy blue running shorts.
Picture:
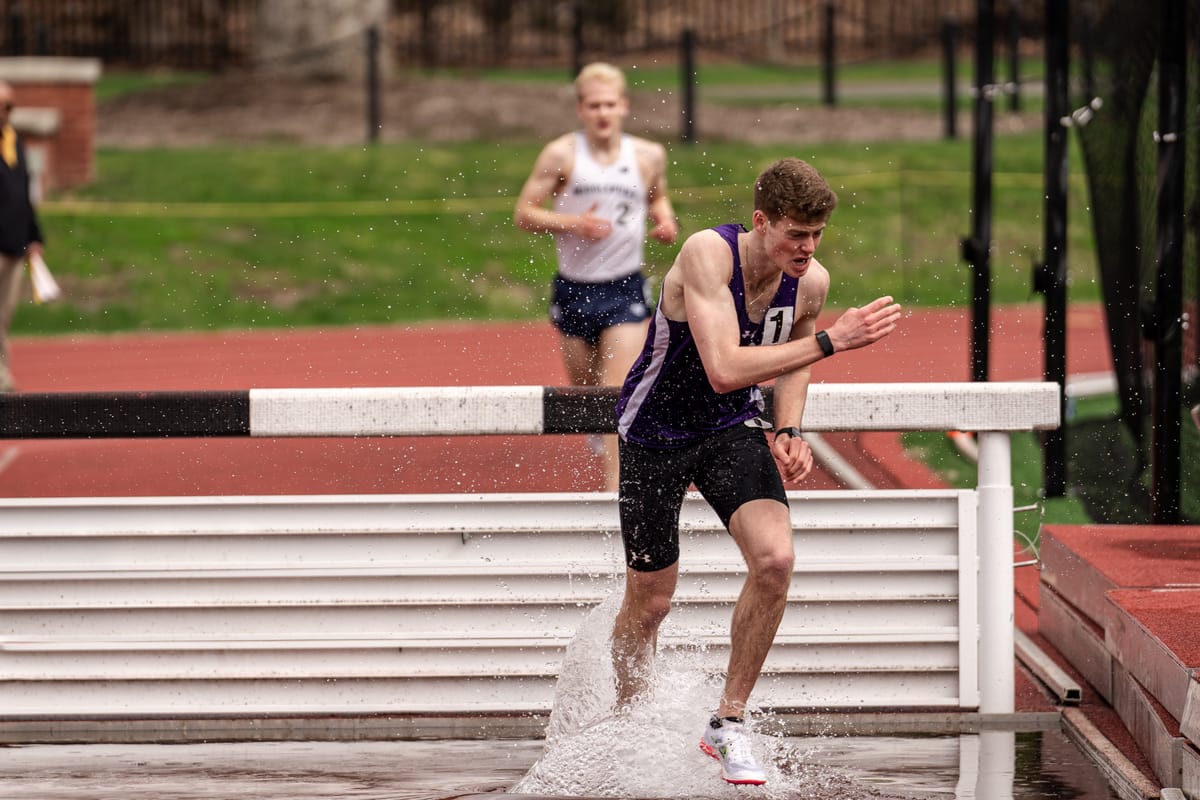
(586, 309)
(729, 468)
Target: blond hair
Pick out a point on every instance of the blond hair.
(599, 71)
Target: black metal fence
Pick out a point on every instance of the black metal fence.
(221, 34)
(176, 34)
(521, 32)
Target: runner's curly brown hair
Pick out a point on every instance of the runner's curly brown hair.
(793, 188)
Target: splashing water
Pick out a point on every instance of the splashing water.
(652, 750)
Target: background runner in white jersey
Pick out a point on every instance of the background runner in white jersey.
(614, 192)
(604, 184)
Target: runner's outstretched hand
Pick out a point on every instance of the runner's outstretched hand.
(865, 325)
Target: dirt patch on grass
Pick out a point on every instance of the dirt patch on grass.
(241, 109)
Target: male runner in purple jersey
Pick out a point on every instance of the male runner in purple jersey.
(737, 307)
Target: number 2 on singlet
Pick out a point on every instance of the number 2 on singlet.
(623, 213)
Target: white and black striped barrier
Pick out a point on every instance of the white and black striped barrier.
(482, 410)
(308, 412)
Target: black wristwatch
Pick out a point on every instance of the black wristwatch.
(825, 344)
(791, 430)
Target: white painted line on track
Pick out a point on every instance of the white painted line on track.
(8, 456)
(827, 456)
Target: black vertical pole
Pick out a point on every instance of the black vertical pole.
(1014, 54)
(977, 249)
(16, 33)
(688, 61)
(950, 74)
(828, 56)
(429, 38)
(1168, 295)
(1087, 49)
(576, 38)
(374, 120)
(1052, 280)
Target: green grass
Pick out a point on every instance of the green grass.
(657, 75)
(912, 84)
(119, 83)
(1100, 478)
(291, 236)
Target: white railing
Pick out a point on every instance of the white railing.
(463, 604)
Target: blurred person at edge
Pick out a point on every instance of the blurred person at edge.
(605, 184)
(20, 234)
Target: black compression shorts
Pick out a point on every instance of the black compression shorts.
(730, 468)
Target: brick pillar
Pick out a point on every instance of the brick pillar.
(56, 112)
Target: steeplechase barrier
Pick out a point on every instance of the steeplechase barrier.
(177, 616)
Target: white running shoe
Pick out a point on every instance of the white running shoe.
(728, 742)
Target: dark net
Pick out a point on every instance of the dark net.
(1114, 62)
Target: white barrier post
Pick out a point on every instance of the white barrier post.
(996, 639)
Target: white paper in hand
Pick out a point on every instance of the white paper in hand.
(45, 288)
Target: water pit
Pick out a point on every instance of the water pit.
(649, 751)
(992, 765)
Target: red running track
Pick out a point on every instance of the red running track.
(931, 346)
